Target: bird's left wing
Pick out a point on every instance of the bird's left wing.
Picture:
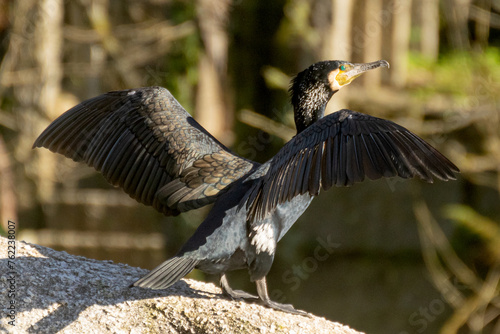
(339, 150)
(145, 142)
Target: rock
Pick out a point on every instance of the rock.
(50, 291)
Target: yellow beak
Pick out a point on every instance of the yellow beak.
(352, 71)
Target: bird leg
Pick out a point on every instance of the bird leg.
(265, 300)
(233, 294)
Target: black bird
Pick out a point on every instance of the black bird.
(145, 142)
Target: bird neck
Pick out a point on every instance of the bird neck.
(308, 108)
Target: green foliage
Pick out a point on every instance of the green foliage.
(469, 78)
(483, 227)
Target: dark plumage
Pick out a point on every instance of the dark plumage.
(145, 142)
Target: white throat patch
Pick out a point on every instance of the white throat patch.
(332, 79)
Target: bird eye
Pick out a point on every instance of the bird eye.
(342, 67)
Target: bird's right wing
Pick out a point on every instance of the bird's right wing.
(341, 149)
(145, 142)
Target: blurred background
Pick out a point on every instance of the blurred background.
(386, 256)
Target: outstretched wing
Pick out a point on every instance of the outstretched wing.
(341, 149)
(145, 142)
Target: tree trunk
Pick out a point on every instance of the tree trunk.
(212, 107)
(429, 29)
(8, 199)
(401, 30)
(339, 41)
(482, 16)
(457, 15)
(373, 24)
(48, 57)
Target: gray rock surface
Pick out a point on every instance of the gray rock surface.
(46, 291)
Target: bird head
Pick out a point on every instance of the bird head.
(312, 88)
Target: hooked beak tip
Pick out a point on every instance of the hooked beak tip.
(373, 65)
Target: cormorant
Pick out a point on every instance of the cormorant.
(145, 142)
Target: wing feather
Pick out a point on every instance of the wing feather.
(326, 165)
(341, 149)
(145, 142)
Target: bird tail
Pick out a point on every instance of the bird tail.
(167, 273)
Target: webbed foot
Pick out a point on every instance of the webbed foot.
(288, 308)
(234, 294)
(262, 299)
(266, 301)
